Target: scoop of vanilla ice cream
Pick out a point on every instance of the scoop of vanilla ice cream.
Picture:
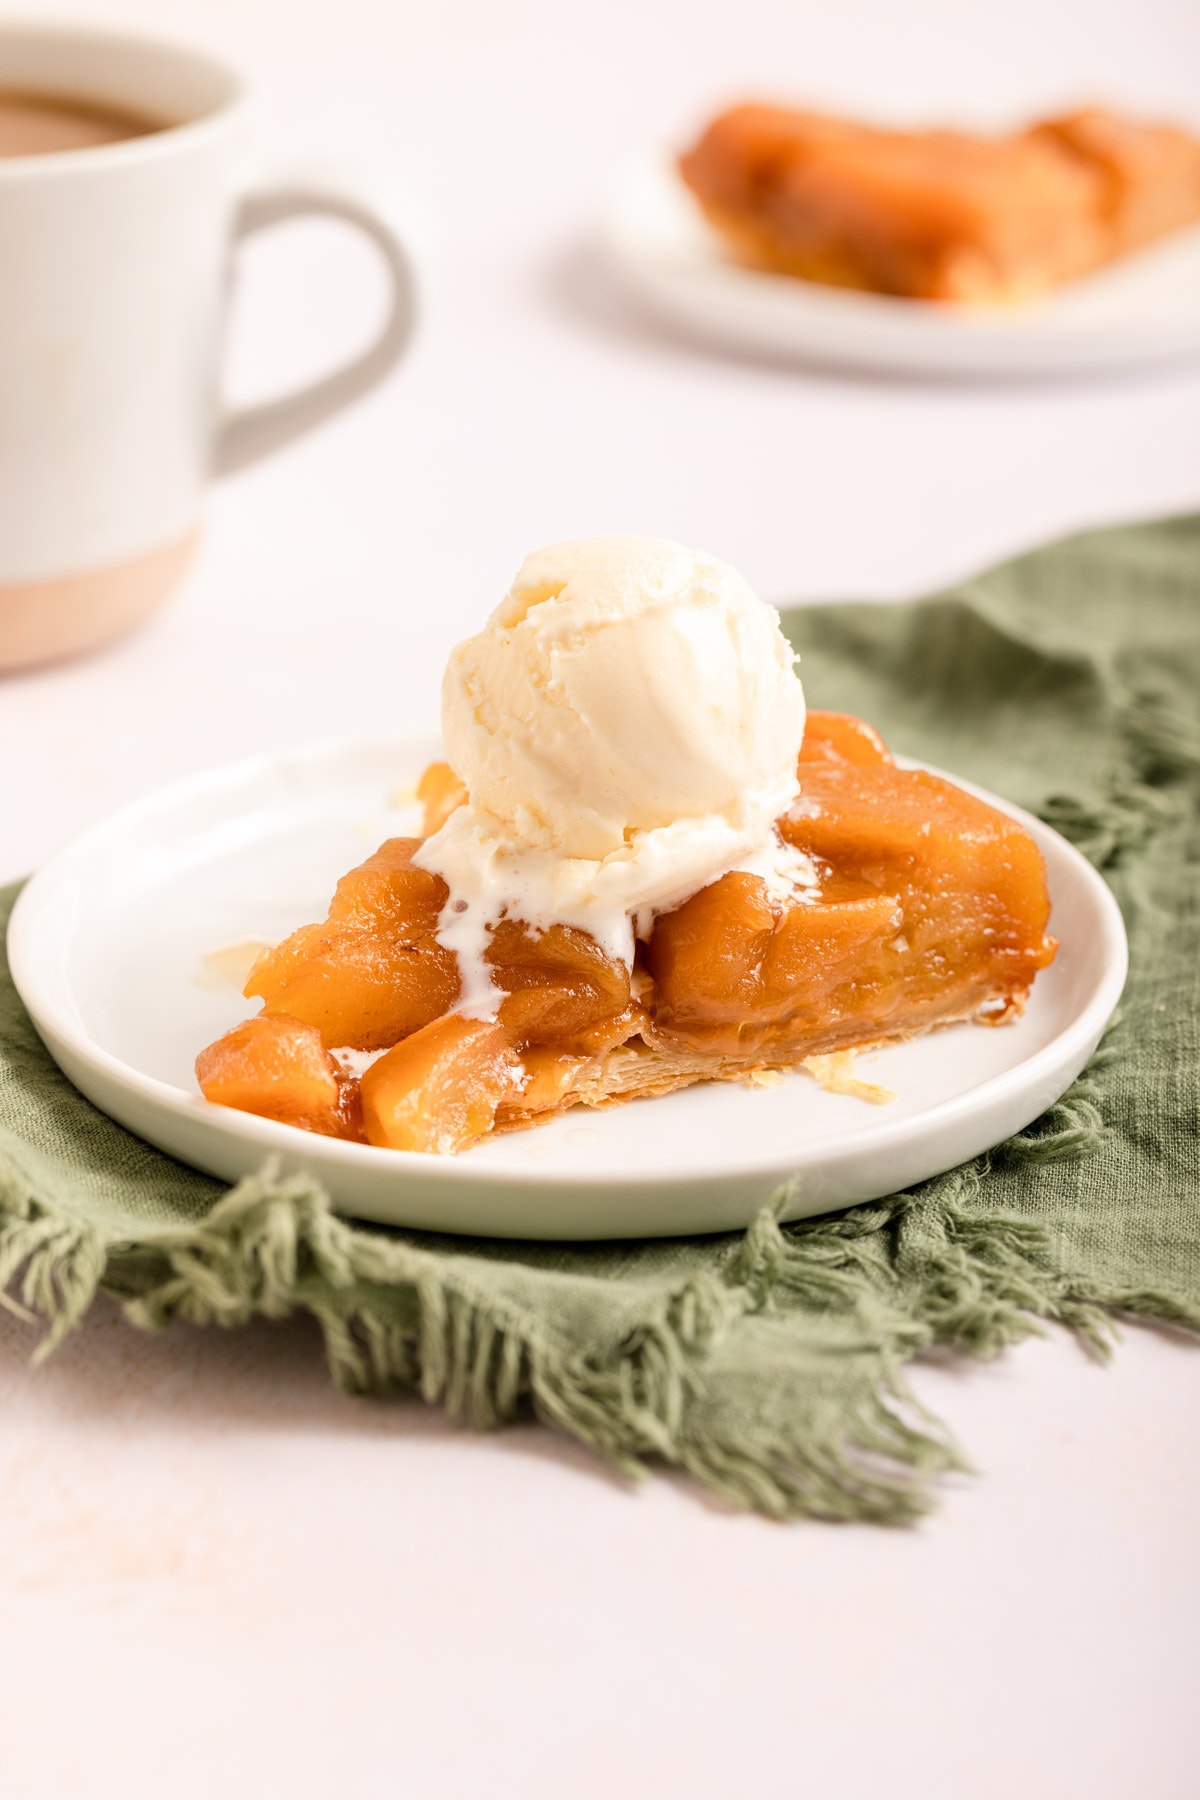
(627, 725)
(622, 685)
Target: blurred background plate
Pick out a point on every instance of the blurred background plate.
(1142, 310)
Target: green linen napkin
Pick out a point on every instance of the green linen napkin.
(769, 1364)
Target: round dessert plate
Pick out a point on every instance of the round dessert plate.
(121, 948)
(1140, 310)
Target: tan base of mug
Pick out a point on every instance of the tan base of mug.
(41, 621)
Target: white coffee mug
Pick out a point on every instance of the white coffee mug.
(114, 272)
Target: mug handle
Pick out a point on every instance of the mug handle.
(254, 431)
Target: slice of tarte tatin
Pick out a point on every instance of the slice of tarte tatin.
(927, 907)
(940, 215)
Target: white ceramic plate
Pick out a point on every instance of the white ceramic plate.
(1141, 310)
(108, 946)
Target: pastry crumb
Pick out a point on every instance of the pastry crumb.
(404, 795)
(758, 1078)
(835, 1073)
(228, 966)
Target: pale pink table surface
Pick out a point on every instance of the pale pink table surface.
(217, 1575)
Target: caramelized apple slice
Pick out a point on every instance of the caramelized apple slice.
(932, 906)
(438, 1090)
(841, 738)
(389, 893)
(363, 992)
(734, 973)
(374, 971)
(273, 968)
(440, 793)
(559, 984)
(970, 881)
(278, 1068)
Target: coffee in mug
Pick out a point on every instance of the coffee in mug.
(40, 124)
